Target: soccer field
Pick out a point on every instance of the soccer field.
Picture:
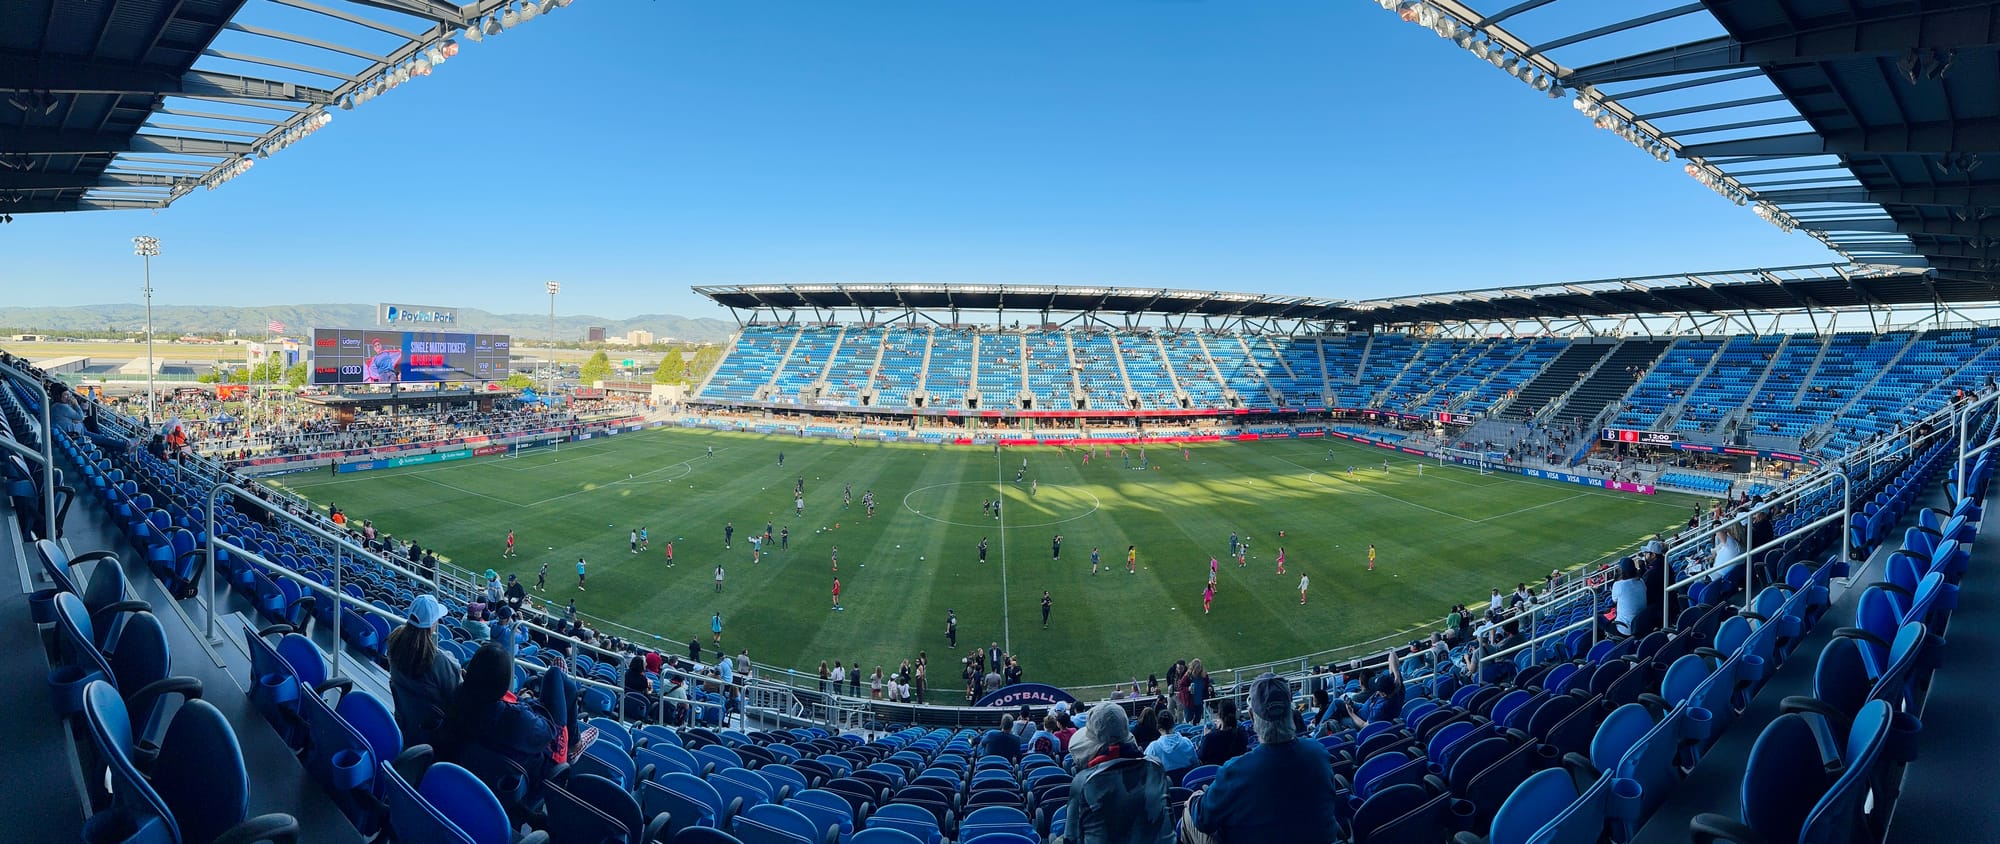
(1443, 538)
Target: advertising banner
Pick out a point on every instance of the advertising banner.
(1027, 694)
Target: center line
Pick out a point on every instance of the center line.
(1000, 481)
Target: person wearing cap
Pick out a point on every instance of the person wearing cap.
(474, 624)
(494, 591)
(1280, 791)
(1119, 796)
(516, 593)
(422, 678)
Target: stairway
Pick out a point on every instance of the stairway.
(1611, 382)
(1554, 379)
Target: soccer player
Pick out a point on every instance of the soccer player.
(635, 540)
(542, 580)
(1281, 559)
(785, 538)
(1055, 547)
(1034, 486)
(579, 574)
(1093, 559)
(1371, 557)
(781, 458)
(1208, 598)
(1420, 470)
(756, 548)
(1305, 580)
(1020, 474)
(670, 554)
(510, 544)
(836, 593)
(996, 509)
(985, 506)
(799, 505)
(1212, 572)
(982, 549)
(1232, 543)
(715, 626)
(1385, 465)
(728, 534)
(951, 628)
(711, 451)
(1131, 559)
(718, 577)
(1047, 602)
(835, 556)
(645, 542)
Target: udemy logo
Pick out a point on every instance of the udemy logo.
(397, 314)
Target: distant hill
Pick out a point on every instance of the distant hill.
(251, 321)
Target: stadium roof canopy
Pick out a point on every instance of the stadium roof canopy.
(135, 103)
(1865, 123)
(1824, 288)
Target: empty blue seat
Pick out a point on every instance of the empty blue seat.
(195, 790)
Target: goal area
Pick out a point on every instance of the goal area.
(1482, 461)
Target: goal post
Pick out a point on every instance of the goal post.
(518, 448)
(1481, 461)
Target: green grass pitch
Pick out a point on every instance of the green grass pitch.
(1442, 538)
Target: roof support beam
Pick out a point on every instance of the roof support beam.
(24, 72)
(40, 206)
(1989, 227)
(1951, 196)
(1621, 26)
(54, 142)
(1697, 109)
(1975, 25)
(1684, 84)
(1912, 139)
(10, 179)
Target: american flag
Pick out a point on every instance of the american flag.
(276, 327)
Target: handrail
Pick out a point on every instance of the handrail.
(1964, 420)
(340, 543)
(46, 457)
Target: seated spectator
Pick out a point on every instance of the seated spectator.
(1224, 740)
(1146, 729)
(1385, 696)
(1024, 725)
(1001, 742)
(1172, 750)
(475, 627)
(1628, 599)
(1118, 796)
(1281, 791)
(422, 679)
(487, 717)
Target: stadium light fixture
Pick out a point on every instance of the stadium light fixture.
(493, 26)
(147, 248)
(509, 18)
(473, 34)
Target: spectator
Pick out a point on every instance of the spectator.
(1281, 791)
(516, 593)
(1146, 729)
(422, 678)
(1001, 742)
(1172, 750)
(1224, 740)
(486, 715)
(476, 629)
(1198, 690)
(1024, 725)
(1045, 741)
(1628, 599)
(1118, 795)
(1385, 696)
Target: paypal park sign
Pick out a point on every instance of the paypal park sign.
(415, 315)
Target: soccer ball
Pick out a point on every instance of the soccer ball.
(920, 558)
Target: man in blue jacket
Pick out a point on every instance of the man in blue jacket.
(1281, 791)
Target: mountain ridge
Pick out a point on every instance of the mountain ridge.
(251, 320)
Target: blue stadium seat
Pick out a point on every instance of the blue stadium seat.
(1805, 783)
(195, 790)
(448, 806)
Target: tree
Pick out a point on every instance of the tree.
(598, 368)
(518, 381)
(295, 377)
(672, 368)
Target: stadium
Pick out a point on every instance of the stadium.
(1634, 559)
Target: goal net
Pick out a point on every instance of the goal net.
(1481, 461)
(519, 448)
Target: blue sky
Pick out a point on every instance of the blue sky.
(632, 149)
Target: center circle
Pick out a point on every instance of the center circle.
(1095, 505)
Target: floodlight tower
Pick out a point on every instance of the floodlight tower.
(148, 248)
(554, 287)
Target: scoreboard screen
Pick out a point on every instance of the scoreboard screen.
(1627, 435)
(362, 356)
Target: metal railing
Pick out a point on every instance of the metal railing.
(46, 457)
(342, 599)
